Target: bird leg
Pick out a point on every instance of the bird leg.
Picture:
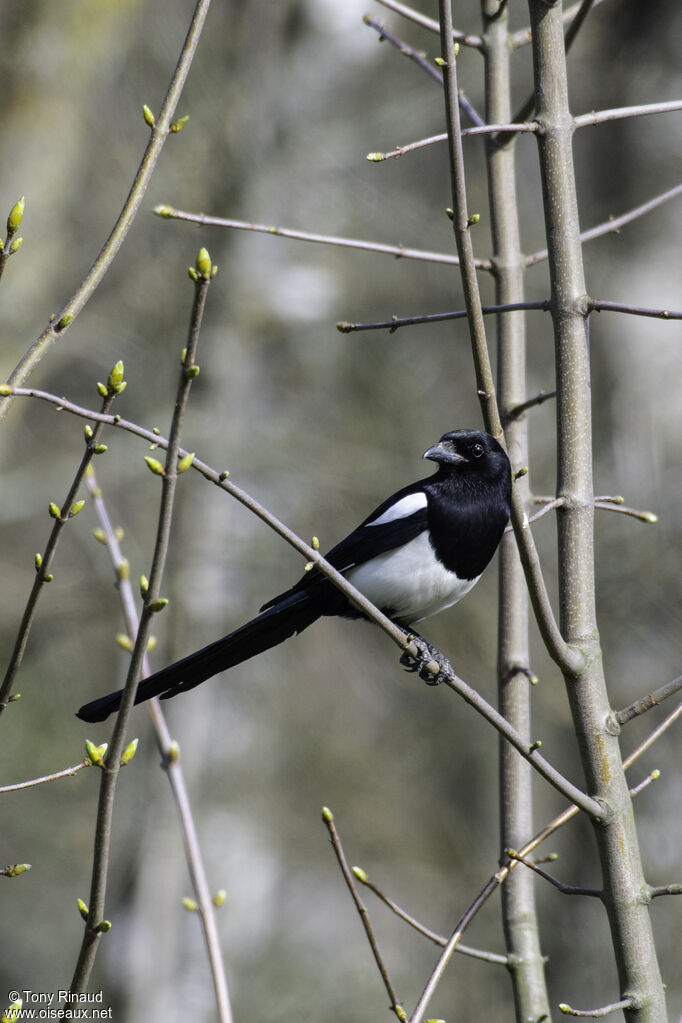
(430, 664)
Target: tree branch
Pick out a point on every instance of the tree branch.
(398, 251)
(152, 604)
(68, 772)
(159, 133)
(646, 703)
(328, 819)
(421, 19)
(614, 224)
(172, 765)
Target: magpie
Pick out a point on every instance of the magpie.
(419, 552)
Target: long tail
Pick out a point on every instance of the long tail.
(271, 627)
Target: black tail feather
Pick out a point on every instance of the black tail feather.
(271, 627)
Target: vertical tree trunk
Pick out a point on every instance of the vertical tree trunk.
(516, 814)
(625, 892)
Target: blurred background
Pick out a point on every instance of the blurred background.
(285, 101)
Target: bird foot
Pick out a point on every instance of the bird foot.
(429, 663)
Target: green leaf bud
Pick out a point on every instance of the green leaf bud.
(162, 210)
(124, 641)
(129, 752)
(151, 643)
(144, 584)
(119, 533)
(14, 869)
(360, 874)
(315, 544)
(178, 125)
(123, 569)
(158, 604)
(38, 561)
(218, 899)
(327, 815)
(203, 264)
(5, 390)
(55, 512)
(148, 116)
(374, 157)
(104, 926)
(223, 476)
(173, 751)
(15, 216)
(16, 245)
(190, 904)
(95, 754)
(76, 507)
(155, 466)
(115, 378)
(64, 322)
(440, 62)
(101, 389)
(48, 578)
(13, 697)
(88, 431)
(82, 909)
(100, 535)
(193, 274)
(192, 371)
(99, 449)
(185, 462)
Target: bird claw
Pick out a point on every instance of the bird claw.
(429, 663)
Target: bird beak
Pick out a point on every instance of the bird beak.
(443, 451)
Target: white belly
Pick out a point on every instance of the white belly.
(409, 583)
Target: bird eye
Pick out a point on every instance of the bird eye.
(477, 450)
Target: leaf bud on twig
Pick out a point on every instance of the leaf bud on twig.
(55, 512)
(82, 909)
(94, 753)
(148, 116)
(155, 466)
(124, 641)
(15, 216)
(185, 462)
(129, 752)
(158, 604)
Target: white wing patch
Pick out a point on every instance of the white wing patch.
(402, 509)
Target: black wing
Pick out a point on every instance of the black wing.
(363, 544)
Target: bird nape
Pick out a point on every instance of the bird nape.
(420, 551)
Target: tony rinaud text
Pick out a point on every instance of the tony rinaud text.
(72, 997)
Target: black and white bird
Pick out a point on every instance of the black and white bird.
(419, 552)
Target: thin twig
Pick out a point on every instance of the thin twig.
(614, 224)
(63, 515)
(617, 113)
(171, 764)
(459, 314)
(437, 939)
(645, 703)
(112, 762)
(565, 889)
(519, 127)
(431, 24)
(599, 305)
(422, 62)
(328, 819)
(159, 133)
(665, 889)
(68, 772)
(645, 782)
(538, 399)
(642, 516)
(398, 251)
(605, 1010)
(450, 948)
(530, 751)
(484, 129)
